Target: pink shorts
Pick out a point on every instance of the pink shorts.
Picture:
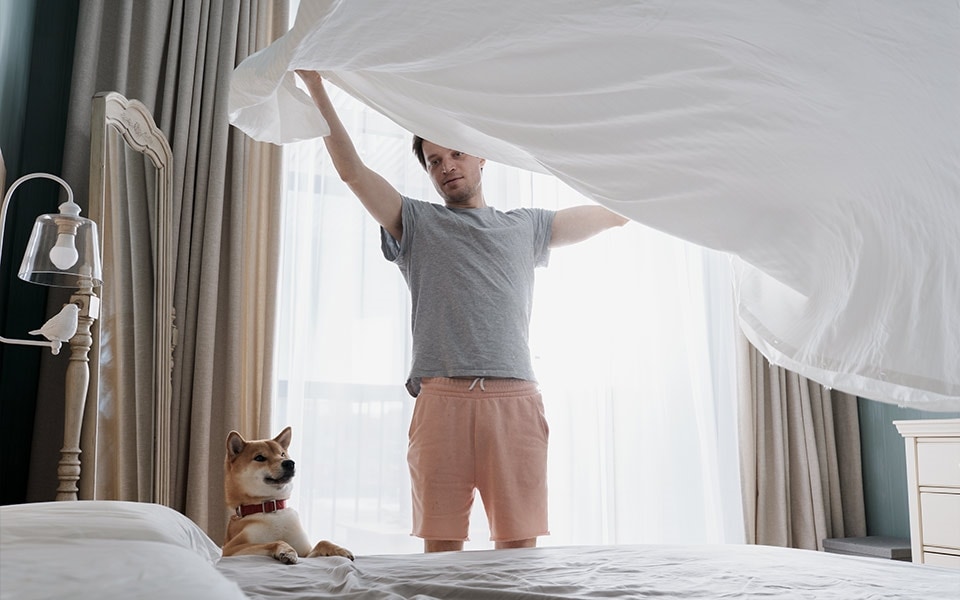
(492, 438)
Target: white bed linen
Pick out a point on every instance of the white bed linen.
(818, 143)
(95, 550)
(103, 550)
(52, 522)
(97, 569)
(595, 572)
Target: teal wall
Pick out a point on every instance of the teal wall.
(36, 41)
(885, 465)
(16, 35)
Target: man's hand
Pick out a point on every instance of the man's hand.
(380, 198)
(308, 76)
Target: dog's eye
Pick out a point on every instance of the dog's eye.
(260, 458)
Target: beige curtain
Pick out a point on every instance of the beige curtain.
(177, 56)
(799, 457)
(225, 331)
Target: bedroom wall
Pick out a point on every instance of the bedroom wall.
(884, 464)
(36, 40)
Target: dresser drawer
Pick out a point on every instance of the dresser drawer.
(938, 463)
(940, 519)
(941, 560)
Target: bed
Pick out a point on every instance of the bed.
(112, 549)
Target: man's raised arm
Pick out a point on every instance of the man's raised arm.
(578, 223)
(376, 194)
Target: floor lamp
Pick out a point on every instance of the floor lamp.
(64, 251)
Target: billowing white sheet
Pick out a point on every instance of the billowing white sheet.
(818, 143)
(583, 572)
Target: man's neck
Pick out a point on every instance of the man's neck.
(474, 202)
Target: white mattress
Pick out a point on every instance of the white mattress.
(818, 143)
(596, 572)
(100, 550)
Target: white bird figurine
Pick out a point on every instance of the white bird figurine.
(61, 326)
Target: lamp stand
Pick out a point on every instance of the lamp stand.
(77, 382)
(66, 256)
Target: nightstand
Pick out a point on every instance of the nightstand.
(933, 481)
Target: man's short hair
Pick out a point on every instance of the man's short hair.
(418, 151)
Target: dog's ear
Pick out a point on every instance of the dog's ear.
(283, 438)
(235, 444)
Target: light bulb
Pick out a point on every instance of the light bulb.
(64, 254)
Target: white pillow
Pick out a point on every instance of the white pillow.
(106, 520)
(108, 569)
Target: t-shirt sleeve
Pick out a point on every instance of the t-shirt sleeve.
(392, 249)
(389, 246)
(542, 231)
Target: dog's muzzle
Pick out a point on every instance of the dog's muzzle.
(289, 470)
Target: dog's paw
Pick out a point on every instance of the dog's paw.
(326, 548)
(286, 554)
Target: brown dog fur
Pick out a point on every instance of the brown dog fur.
(258, 471)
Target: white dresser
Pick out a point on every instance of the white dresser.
(933, 481)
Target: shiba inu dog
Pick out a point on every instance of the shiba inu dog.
(258, 479)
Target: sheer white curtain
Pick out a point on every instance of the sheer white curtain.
(633, 345)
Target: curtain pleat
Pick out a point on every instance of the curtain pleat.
(264, 23)
(260, 259)
(800, 457)
(177, 57)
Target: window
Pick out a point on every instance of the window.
(632, 340)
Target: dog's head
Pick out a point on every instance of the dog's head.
(258, 470)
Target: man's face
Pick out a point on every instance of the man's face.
(455, 175)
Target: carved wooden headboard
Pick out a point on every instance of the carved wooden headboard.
(129, 398)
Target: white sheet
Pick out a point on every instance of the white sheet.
(596, 572)
(818, 143)
(101, 550)
(97, 569)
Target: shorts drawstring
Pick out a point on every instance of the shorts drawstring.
(475, 380)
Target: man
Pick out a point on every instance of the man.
(478, 422)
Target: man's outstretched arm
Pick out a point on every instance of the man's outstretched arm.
(578, 223)
(376, 194)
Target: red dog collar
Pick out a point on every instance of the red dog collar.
(264, 507)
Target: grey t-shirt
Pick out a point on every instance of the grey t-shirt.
(470, 274)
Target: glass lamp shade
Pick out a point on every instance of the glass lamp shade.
(63, 251)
